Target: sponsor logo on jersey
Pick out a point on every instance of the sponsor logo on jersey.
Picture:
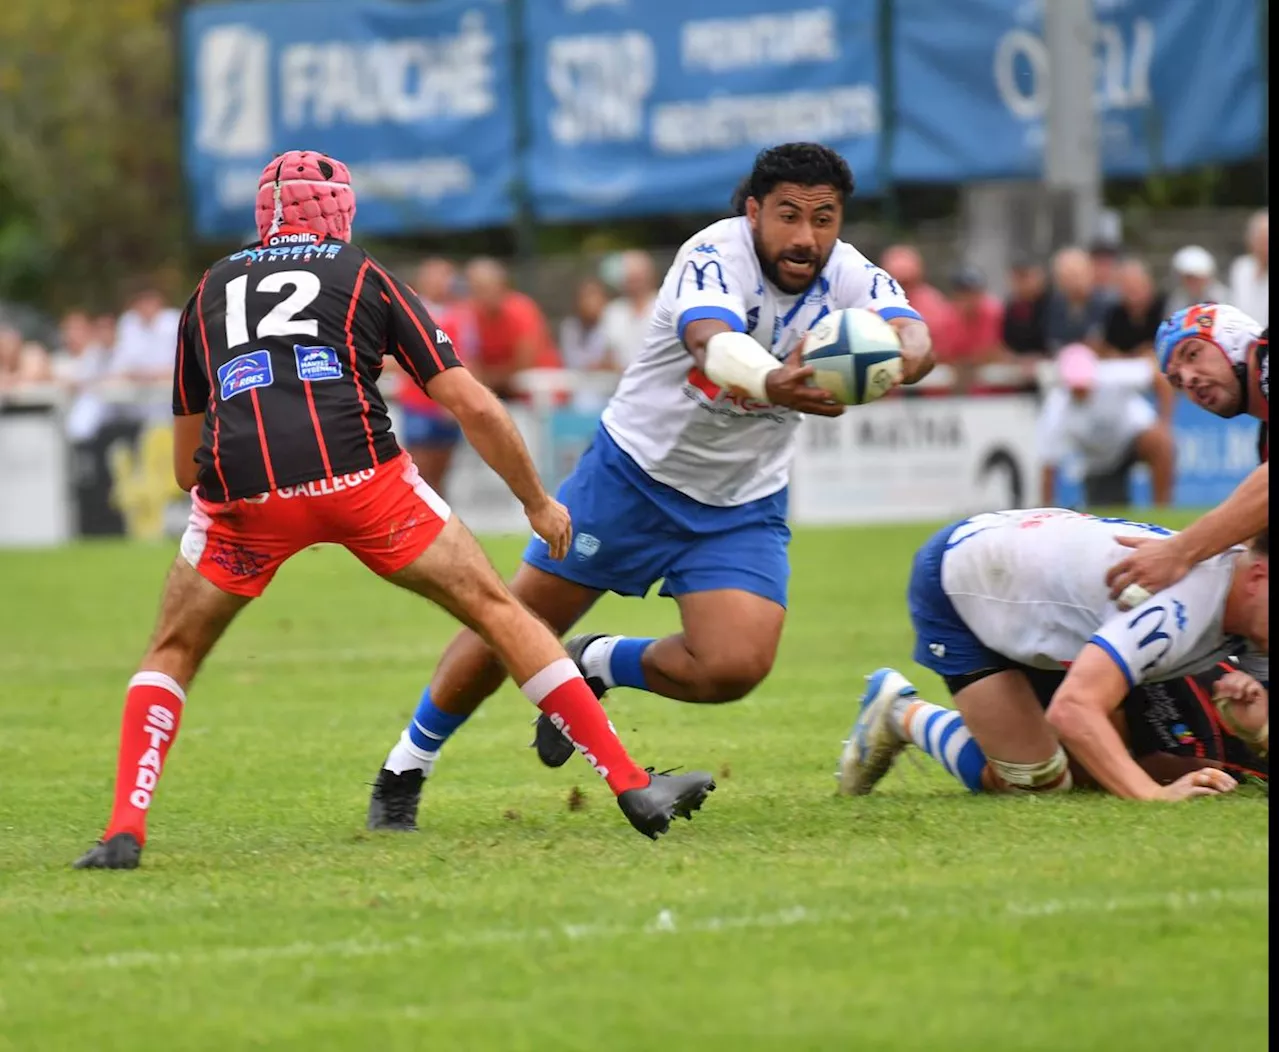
(245, 372)
(753, 319)
(443, 337)
(707, 249)
(325, 487)
(1182, 734)
(285, 253)
(1180, 615)
(938, 650)
(317, 363)
(299, 237)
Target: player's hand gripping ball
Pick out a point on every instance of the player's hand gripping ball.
(855, 354)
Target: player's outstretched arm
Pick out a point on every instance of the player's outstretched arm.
(917, 348)
(1156, 564)
(1080, 715)
(492, 433)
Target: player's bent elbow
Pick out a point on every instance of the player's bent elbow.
(1065, 714)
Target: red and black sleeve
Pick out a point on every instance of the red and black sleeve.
(421, 347)
(190, 385)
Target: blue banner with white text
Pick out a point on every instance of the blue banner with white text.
(415, 99)
(1177, 83)
(650, 106)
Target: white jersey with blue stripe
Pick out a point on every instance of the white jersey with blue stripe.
(679, 427)
(1031, 585)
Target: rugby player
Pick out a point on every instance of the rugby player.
(686, 478)
(283, 440)
(1221, 358)
(1217, 718)
(999, 598)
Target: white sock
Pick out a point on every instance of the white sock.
(405, 756)
(596, 658)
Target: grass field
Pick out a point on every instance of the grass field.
(782, 918)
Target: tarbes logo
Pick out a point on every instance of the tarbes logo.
(232, 92)
(244, 373)
(317, 363)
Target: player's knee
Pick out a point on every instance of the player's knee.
(1046, 776)
(731, 678)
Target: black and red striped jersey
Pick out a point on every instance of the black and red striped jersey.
(280, 348)
(1262, 377)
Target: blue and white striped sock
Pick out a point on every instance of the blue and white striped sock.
(420, 742)
(942, 734)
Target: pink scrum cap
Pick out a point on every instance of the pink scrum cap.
(1077, 366)
(305, 189)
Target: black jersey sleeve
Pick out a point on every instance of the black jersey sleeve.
(421, 347)
(190, 384)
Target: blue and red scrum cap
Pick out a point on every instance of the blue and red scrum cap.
(1229, 329)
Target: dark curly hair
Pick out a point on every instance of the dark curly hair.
(805, 163)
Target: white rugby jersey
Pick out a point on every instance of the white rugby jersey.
(682, 429)
(1031, 585)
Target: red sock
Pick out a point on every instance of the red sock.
(560, 691)
(152, 710)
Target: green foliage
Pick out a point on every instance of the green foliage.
(89, 157)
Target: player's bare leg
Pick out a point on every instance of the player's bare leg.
(726, 648)
(455, 574)
(1007, 720)
(193, 616)
(1155, 448)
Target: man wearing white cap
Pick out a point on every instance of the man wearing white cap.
(1108, 424)
(1221, 358)
(1197, 279)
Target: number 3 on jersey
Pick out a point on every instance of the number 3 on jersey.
(282, 319)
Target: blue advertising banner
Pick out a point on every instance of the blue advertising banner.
(414, 98)
(640, 107)
(1214, 456)
(1177, 83)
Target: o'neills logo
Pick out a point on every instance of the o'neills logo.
(302, 238)
(558, 722)
(324, 487)
(159, 727)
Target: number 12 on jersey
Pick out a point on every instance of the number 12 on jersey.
(282, 319)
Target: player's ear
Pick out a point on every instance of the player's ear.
(753, 212)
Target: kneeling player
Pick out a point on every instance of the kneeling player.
(285, 442)
(1217, 718)
(999, 599)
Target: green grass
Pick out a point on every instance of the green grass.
(782, 918)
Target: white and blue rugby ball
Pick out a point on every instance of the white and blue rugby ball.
(855, 354)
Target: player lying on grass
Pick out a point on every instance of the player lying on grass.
(1217, 718)
(284, 441)
(998, 596)
(1221, 358)
(684, 481)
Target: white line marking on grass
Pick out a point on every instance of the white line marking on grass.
(666, 923)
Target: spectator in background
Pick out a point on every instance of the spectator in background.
(1025, 309)
(429, 431)
(584, 343)
(1249, 277)
(104, 333)
(1076, 309)
(511, 333)
(972, 338)
(1195, 276)
(626, 319)
(904, 264)
(22, 362)
(1105, 257)
(146, 335)
(77, 368)
(1131, 322)
(1110, 427)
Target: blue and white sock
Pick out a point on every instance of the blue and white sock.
(942, 734)
(420, 742)
(617, 661)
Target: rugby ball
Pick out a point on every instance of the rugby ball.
(855, 354)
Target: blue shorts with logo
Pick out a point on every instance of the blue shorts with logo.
(944, 643)
(631, 531)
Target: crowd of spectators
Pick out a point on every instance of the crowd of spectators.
(1098, 302)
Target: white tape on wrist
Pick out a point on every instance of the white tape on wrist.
(735, 360)
(1133, 595)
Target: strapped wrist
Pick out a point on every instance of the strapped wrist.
(735, 360)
